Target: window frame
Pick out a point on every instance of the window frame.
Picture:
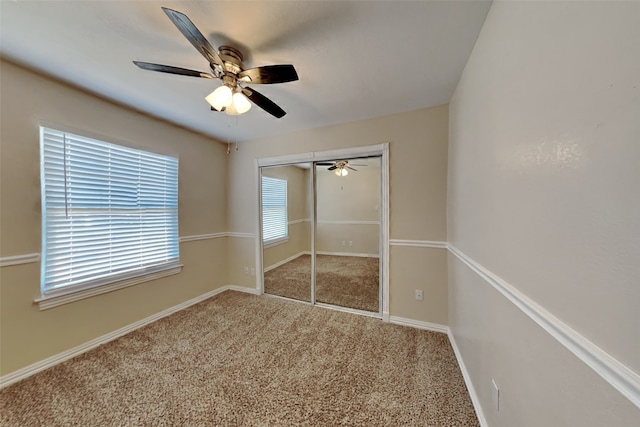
(53, 295)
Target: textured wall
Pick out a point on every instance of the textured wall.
(544, 171)
(28, 335)
(298, 187)
(418, 169)
(348, 210)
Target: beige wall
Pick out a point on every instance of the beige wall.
(299, 240)
(28, 100)
(418, 150)
(346, 208)
(355, 197)
(419, 268)
(356, 239)
(418, 168)
(543, 192)
(241, 254)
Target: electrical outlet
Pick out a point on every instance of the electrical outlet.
(495, 395)
(246, 271)
(418, 294)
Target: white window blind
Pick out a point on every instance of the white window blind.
(109, 212)
(274, 210)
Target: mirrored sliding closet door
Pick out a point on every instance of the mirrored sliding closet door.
(347, 239)
(286, 200)
(321, 232)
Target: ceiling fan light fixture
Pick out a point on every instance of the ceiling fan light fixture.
(220, 98)
(226, 64)
(231, 110)
(241, 103)
(342, 171)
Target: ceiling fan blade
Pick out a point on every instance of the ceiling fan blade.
(334, 167)
(263, 102)
(325, 164)
(269, 74)
(349, 167)
(171, 70)
(191, 32)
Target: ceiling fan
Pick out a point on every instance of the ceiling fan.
(226, 64)
(341, 167)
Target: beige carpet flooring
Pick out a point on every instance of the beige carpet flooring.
(340, 280)
(244, 360)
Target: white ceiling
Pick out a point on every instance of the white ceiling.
(355, 59)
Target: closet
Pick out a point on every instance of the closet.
(321, 231)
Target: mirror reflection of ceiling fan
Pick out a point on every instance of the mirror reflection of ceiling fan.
(226, 64)
(341, 167)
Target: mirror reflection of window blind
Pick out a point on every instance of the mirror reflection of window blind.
(274, 210)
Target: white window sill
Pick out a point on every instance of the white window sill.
(65, 296)
(275, 242)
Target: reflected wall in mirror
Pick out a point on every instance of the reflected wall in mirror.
(348, 233)
(286, 197)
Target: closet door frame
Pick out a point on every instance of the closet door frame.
(381, 150)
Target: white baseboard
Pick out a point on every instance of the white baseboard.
(245, 289)
(292, 257)
(349, 310)
(347, 254)
(434, 327)
(49, 362)
(467, 380)
(286, 260)
(617, 374)
(34, 368)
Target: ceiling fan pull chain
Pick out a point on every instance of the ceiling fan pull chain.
(236, 133)
(228, 141)
(226, 66)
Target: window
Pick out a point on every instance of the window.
(109, 213)
(274, 210)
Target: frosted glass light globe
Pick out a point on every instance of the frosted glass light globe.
(241, 103)
(220, 98)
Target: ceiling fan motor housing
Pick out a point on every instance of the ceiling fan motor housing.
(226, 65)
(232, 59)
(230, 81)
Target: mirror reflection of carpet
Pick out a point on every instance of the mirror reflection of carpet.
(340, 280)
